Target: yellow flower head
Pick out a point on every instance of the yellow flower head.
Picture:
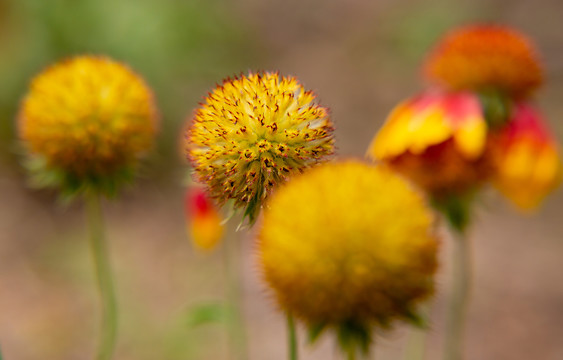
(485, 57)
(526, 158)
(252, 133)
(88, 118)
(203, 220)
(437, 140)
(348, 246)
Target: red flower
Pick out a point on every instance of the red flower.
(203, 219)
(437, 140)
(485, 57)
(526, 157)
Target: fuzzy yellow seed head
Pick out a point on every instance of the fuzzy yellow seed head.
(252, 133)
(88, 117)
(348, 243)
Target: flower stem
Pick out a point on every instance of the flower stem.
(104, 277)
(292, 337)
(235, 322)
(457, 307)
(351, 353)
(416, 341)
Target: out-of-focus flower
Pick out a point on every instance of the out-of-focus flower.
(203, 219)
(252, 133)
(86, 121)
(526, 157)
(485, 57)
(437, 140)
(339, 252)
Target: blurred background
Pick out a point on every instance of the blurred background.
(361, 57)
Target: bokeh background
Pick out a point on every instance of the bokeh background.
(361, 57)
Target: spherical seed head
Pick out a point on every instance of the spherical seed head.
(528, 164)
(485, 57)
(348, 243)
(89, 118)
(437, 140)
(252, 133)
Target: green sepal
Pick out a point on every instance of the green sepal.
(42, 175)
(496, 107)
(314, 331)
(455, 208)
(415, 319)
(354, 337)
(253, 208)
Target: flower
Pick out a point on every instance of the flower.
(526, 158)
(437, 140)
(254, 132)
(338, 250)
(203, 219)
(87, 119)
(485, 57)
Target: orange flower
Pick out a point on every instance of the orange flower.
(203, 219)
(437, 140)
(526, 157)
(485, 57)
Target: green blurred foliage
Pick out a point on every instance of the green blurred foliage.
(181, 47)
(409, 31)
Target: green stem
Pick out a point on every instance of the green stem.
(416, 341)
(0, 354)
(235, 322)
(292, 337)
(351, 353)
(457, 307)
(104, 277)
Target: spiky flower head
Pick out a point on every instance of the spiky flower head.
(85, 122)
(528, 165)
(252, 133)
(203, 221)
(437, 140)
(485, 57)
(339, 251)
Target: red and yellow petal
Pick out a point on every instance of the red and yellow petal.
(430, 119)
(204, 223)
(528, 165)
(435, 139)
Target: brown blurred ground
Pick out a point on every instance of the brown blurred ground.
(361, 58)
